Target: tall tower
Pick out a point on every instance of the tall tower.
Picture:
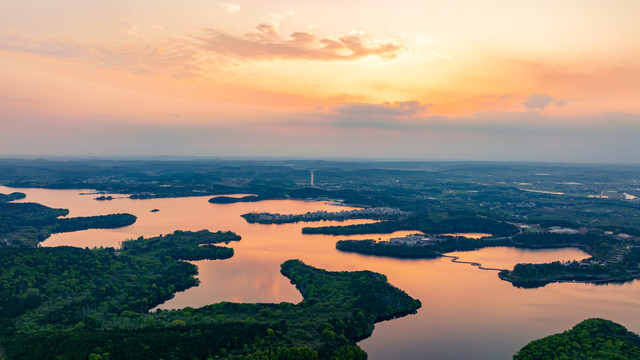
(312, 183)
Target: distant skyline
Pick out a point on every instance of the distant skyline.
(495, 80)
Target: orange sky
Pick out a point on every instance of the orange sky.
(460, 72)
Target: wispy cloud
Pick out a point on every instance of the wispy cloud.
(198, 55)
(168, 58)
(384, 110)
(483, 136)
(399, 114)
(413, 117)
(53, 47)
(232, 8)
(266, 43)
(541, 101)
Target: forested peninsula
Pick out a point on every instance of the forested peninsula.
(70, 303)
(26, 224)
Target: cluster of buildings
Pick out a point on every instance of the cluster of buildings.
(552, 229)
(411, 240)
(622, 236)
(563, 230)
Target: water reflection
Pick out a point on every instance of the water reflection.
(467, 313)
(503, 258)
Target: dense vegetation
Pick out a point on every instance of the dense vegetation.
(457, 243)
(592, 339)
(70, 303)
(423, 222)
(593, 242)
(92, 222)
(63, 287)
(444, 197)
(232, 200)
(11, 197)
(378, 248)
(27, 224)
(536, 275)
(184, 245)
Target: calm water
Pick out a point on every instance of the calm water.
(467, 313)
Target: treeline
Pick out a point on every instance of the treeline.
(184, 245)
(592, 339)
(537, 275)
(64, 286)
(272, 191)
(233, 200)
(424, 223)
(195, 342)
(378, 248)
(12, 197)
(593, 242)
(451, 244)
(110, 221)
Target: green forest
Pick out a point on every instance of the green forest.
(592, 339)
(71, 303)
(601, 267)
(426, 222)
(449, 244)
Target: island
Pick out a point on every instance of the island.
(233, 200)
(103, 198)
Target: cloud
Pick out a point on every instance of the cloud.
(167, 58)
(199, 55)
(396, 109)
(520, 136)
(232, 8)
(52, 47)
(541, 101)
(266, 43)
(399, 114)
(412, 117)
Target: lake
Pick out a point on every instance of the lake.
(467, 313)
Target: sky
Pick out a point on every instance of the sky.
(505, 80)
